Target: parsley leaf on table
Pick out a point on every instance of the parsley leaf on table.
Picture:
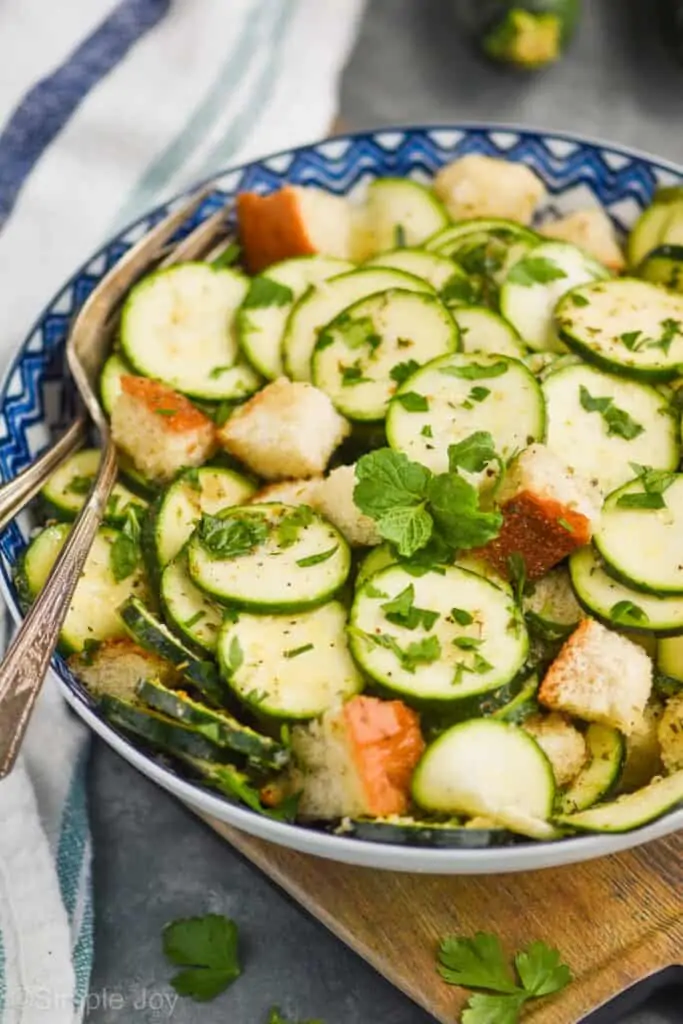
(475, 963)
(484, 1008)
(206, 949)
(541, 971)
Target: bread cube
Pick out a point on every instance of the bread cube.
(599, 676)
(115, 668)
(159, 429)
(296, 220)
(593, 231)
(334, 499)
(547, 511)
(670, 734)
(643, 753)
(484, 186)
(357, 759)
(286, 431)
(289, 492)
(561, 742)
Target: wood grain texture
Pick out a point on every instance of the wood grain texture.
(616, 920)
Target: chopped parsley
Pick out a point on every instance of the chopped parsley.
(412, 402)
(290, 526)
(401, 611)
(264, 292)
(476, 371)
(402, 371)
(296, 651)
(535, 270)
(626, 613)
(323, 556)
(79, 485)
(232, 535)
(618, 422)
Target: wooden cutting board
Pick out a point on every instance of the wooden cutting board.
(616, 921)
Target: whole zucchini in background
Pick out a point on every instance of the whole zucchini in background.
(526, 33)
(670, 18)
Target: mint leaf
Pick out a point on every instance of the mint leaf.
(454, 507)
(124, 556)
(517, 574)
(478, 394)
(473, 453)
(264, 292)
(206, 947)
(421, 652)
(408, 527)
(579, 300)
(402, 371)
(387, 479)
(483, 1008)
(352, 375)
(412, 402)
(401, 611)
(626, 612)
(535, 270)
(356, 332)
(618, 422)
(232, 535)
(478, 962)
(462, 617)
(457, 290)
(541, 970)
(630, 339)
(641, 499)
(476, 371)
(79, 485)
(317, 559)
(290, 526)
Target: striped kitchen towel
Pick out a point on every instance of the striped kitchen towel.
(105, 107)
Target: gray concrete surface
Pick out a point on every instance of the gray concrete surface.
(154, 862)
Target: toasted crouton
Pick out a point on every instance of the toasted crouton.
(670, 733)
(553, 599)
(334, 498)
(592, 231)
(115, 668)
(484, 186)
(547, 513)
(289, 492)
(288, 430)
(159, 429)
(561, 742)
(643, 752)
(294, 221)
(358, 759)
(599, 676)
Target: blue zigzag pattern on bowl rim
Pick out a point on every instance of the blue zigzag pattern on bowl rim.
(36, 398)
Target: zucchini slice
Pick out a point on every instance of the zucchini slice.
(601, 439)
(449, 280)
(93, 611)
(152, 634)
(522, 705)
(487, 767)
(322, 303)
(289, 666)
(664, 266)
(618, 605)
(482, 330)
(670, 658)
(359, 354)
(660, 224)
(159, 730)
(281, 559)
(437, 639)
(209, 490)
(187, 609)
(440, 835)
(217, 726)
(113, 370)
(624, 325)
(398, 208)
(262, 317)
(631, 811)
(138, 483)
(450, 398)
(376, 559)
(643, 545)
(535, 283)
(68, 487)
(236, 785)
(600, 775)
(177, 326)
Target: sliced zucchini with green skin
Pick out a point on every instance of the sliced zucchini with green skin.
(110, 380)
(467, 637)
(134, 479)
(522, 705)
(209, 489)
(152, 634)
(664, 266)
(534, 284)
(597, 779)
(324, 302)
(262, 317)
(187, 609)
(236, 785)
(487, 767)
(68, 487)
(660, 224)
(274, 574)
(482, 330)
(376, 559)
(398, 208)
(177, 326)
(601, 440)
(217, 726)
(452, 397)
(643, 546)
(618, 605)
(360, 354)
(161, 731)
(289, 666)
(93, 611)
(631, 811)
(626, 326)
(670, 658)
(449, 280)
(399, 831)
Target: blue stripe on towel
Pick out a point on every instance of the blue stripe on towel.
(83, 951)
(46, 108)
(73, 838)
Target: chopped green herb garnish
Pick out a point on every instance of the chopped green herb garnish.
(476, 371)
(462, 617)
(402, 371)
(124, 554)
(426, 431)
(578, 300)
(194, 619)
(412, 402)
(228, 257)
(304, 563)
(79, 485)
(166, 412)
(352, 375)
(457, 289)
(354, 332)
(290, 526)
(232, 535)
(467, 643)
(372, 591)
(474, 453)
(296, 651)
(218, 371)
(630, 339)
(565, 524)
(517, 574)
(618, 422)
(89, 650)
(235, 657)
(401, 611)
(535, 270)
(626, 612)
(264, 292)
(478, 394)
